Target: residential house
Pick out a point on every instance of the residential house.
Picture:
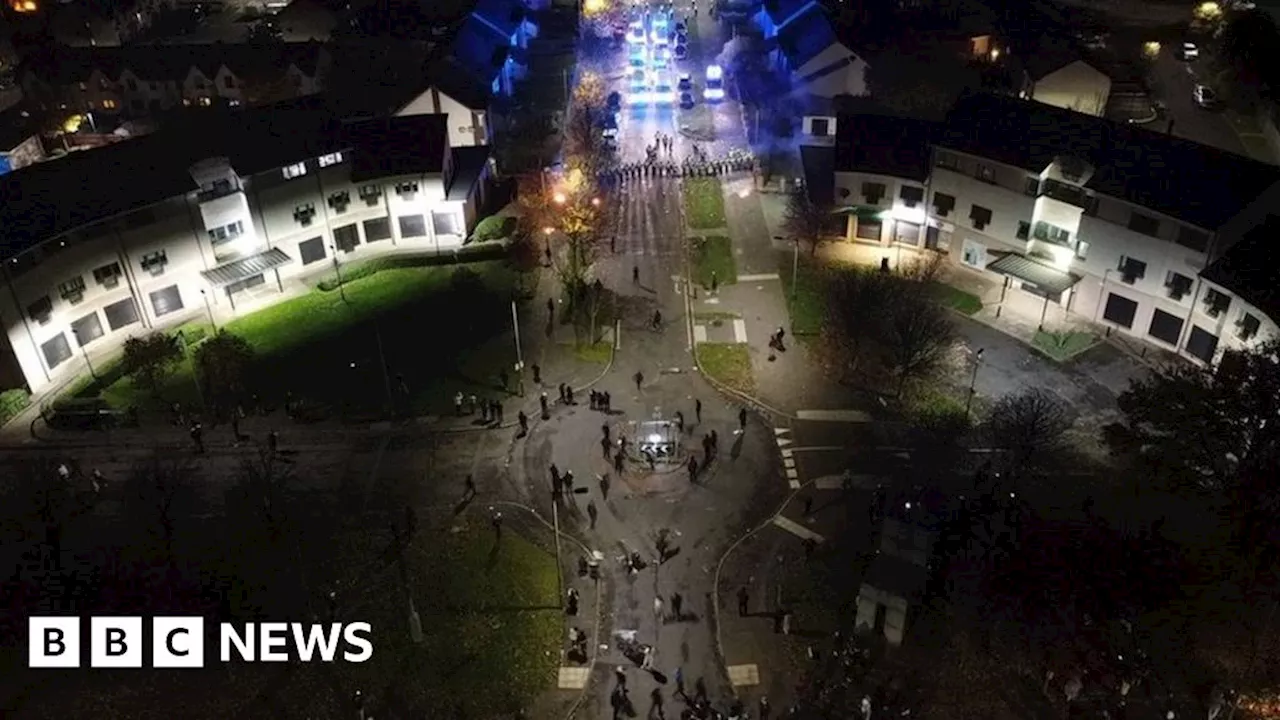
(491, 44)
(1058, 74)
(805, 48)
(1072, 217)
(230, 209)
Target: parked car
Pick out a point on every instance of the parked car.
(715, 84)
(1206, 97)
(684, 82)
(682, 52)
(1189, 51)
(686, 99)
(681, 28)
(614, 101)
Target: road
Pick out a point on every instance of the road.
(1173, 82)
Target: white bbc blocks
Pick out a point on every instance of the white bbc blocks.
(177, 642)
(115, 642)
(53, 642)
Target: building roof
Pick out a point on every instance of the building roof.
(479, 47)
(67, 66)
(47, 199)
(780, 10)
(468, 165)
(504, 15)
(17, 124)
(461, 84)
(1195, 183)
(884, 145)
(405, 145)
(805, 37)
(1249, 268)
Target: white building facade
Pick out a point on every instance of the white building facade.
(236, 235)
(1074, 228)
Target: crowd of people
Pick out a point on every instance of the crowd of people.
(696, 164)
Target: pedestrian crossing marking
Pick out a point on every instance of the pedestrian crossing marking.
(740, 330)
(573, 678)
(781, 431)
(797, 529)
(786, 453)
(789, 463)
(795, 484)
(757, 278)
(834, 415)
(744, 675)
(792, 474)
(700, 333)
(783, 442)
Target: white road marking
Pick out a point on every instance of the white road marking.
(757, 278)
(789, 463)
(786, 453)
(836, 482)
(795, 484)
(712, 301)
(617, 335)
(781, 431)
(796, 529)
(819, 448)
(851, 416)
(699, 333)
(783, 442)
(742, 675)
(792, 474)
(573, 678)
(740, 330)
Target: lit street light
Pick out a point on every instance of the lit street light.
(559, 198)
(973, 380)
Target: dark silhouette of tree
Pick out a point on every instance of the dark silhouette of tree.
(1249, 55)
(222, 365)
(1029, 428)
(152, 492)
(806, 220)
(149, 360)
(917, 333)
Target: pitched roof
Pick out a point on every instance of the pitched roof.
(405, 145)
(44, 200)
(805, 37)
(1250, 268)
(68, 65)
(1051, 55)
(884, 145)
(479, 47)
(505, 15)
(461, 84)
(1196, 183)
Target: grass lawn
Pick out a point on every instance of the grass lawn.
(807, 301)
(713, 254)
(957, 299)
(704, 203)
(599, 353)
(1062, 346)
(730, 363)
(491, 622)
(428, 322)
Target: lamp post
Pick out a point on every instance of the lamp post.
(515, 327)
(795, 267)
(83, 351)
(973, 380)
(209, 308)
(337, 270)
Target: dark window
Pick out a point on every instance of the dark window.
(907, 233)
(121, 314)
(980, 216)
(869, 230)
(311, 250)
(346, 237)
(56, 351)
(1051, 233)
(911, 196)
(304, 213)
(1144, 224)
(1202, 344)
(1082, 249)
(133, 85)
(1132, 270)
(1177, 284)
(87, 329)
(412, 226)
(339, 201)
(1120, 310)
(943, 204)
(41, 310)
(1165, 327)
(408, 188)
(446, 223)
(873, 192)
(1024, 229)
(72, 290)
(1247, 326)
(154, 262)
(377, 229)
(1192, 238)
(1033, 186)
(1216, 303)
(820, 127)
(986, 173)
(108, 276)
(370, 194)
(228, 82)
(166, 301)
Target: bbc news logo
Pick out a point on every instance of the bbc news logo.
(178, 642)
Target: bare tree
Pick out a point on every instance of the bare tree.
(806, 220)
(1029, 427)
(152, 490)
(860, 303)
(917, 334)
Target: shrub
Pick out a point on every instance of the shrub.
(13, 402)
(494, 227)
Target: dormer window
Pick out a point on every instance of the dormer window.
(980, 217)
(943, 204)
(407, 190)
(370, 194)
(330, 159)
(1131, 270)
(1216, 303)
(910, 195)
(108, 276)
(304, 213)
(154, 262)
(339, 201)
(295, 170)
(1177, 284)
(72, 290)
(41, 310)
(873, 192)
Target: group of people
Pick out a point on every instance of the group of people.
(490, 410)
(692, 166)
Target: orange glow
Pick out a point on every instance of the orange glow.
(24, 6)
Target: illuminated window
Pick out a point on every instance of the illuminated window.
(109, 105)
(206, 102)
(294, 170)
(330, 159)
(24, 6)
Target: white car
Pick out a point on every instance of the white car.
(715, 84)
(1205, 97)
(638, 58)
(638, 90)
(1190, 51)
(635, 33)
(661, 58)
(663, 93)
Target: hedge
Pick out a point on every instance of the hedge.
(13, 402)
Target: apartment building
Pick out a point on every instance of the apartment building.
(228, 211)
(1146, 234)
(145, 79)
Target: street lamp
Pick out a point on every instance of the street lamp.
(209, 309)
(595, 202)
(337, 270)
(973, 379)
(559, 198)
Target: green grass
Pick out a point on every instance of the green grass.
(599, 353)
(807, 300)
(13, 402)
(957, 299)
(1062, 346)
(491, 620)
(433, 330)
(703, 203)
(730, 363)
(713, 254)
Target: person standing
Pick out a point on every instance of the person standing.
(542, 401)
(639, 378)
(592, 513)
(693, 469)
(524, 423)
(697, 409)
(635, 274)
(457, 404)
(680, 422)
(742, 420)
(743, 597)
(657, 608)
(197, 436)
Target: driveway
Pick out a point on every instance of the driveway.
(1173, 82)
